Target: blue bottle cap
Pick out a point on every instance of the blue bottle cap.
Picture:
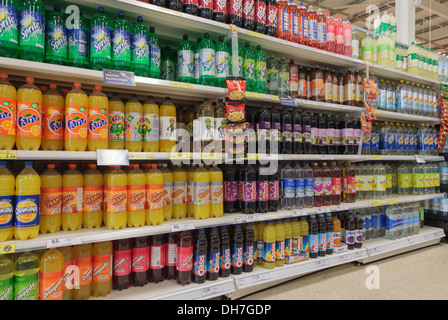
(57, 8)
(140, 19)
(100, 9)
(121, 14)
(3, 164)
(152, 29)
(28, 163)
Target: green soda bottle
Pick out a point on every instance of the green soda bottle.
(9, 29)
(272, 76)
(26, 277)
(240, 62)
(56, 48)
(260, 71)
(140, 48)
(121, 43)
(196, 61)
(100, 41)
(222, 62)
(248, 66)
(6, 278)
(207, 66)
(78, 43)
(154, 54)
(32, 31)
(185, 61)
(168, 65)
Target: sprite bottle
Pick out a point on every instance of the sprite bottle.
(121, 43)
(78, 43)
(100, 41)
(168, 66)
(185, 61)
(56, 48)
(154, 54)
(196, 61)
(222, 62)
(140, 48)
(207, 66)
(272, 76)
(260, 71)
(248, 66)
(32, 31)
(9, 28)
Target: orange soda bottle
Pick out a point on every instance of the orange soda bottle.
(76, 107)
(179, 192)
(136, 196)
(117, 199)
(7, 182)
(52, 119)
(102, 268)
(68, 276)
(98, 125)
(83, 261)
(50, 200)
(72, 198)
(154, 192)
(51, 275)
(93, 197)
(8, 108)
(282, 20)
(216, 192)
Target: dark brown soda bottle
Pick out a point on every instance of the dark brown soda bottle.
(336, 184)
(348, 184)
(140, 261)
(184, 257)
(157, 260)
(350, 227)
(122, 277)
(170, 256)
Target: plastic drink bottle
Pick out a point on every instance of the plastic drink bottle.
(83, 261)
(157, 258)
(235, 8)
(51, 275)
(154, 54)
(313, 236)
(236, 246)
(248, 14)
(207, 63)
(151, 132)
(78, 43)
(296, 245)
(190, 191)
(140, 48)
(321, 30)
(32, 31)
(179, 192)
(76, 108)
(29, 116)
(56, 44)
(154, 193)
(260, 71)
(201, 193)
(93, 197)
(347, 32)
(191, 7)
(8, 106)
(122, 260)
(185, 61)
(134, 125)
(259, 229)
(116, 123)
(50, 200)
(322, 235)
(249, 252)
(167, 126)
(184, 257)
(287, 224)
(248, 189)
(339, 32)
(293, 18)
(9, 35)
(72, 198)
(279, 243)
(102, 268)
(98, 120)
(269, 245)
(271, 18)
(68, 272)
(117, 199)
(121, 43)
(216, 192)
(222, 62)
(140, 261)
(7, 186)
(225, 259)
(220, 11)
(312, 27)
(167, 191)
(260, 16)
(248, 67)
(6, 278)
(26, 277)
(168, 67)
(282, 20)
(52, 119)
(100, 41)
(200, 257)
(262, 199)
(213, 254)
(136, 196)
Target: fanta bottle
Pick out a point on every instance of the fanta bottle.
(51, 275)
(151, 133)
(279, 243)
(7, 182)
(102, 268)
(269, 240)
(167, 126)
(216, 192)
(50, 200)
(68, 277)
(179, 192)
(201, 193)
(93, 197)
(98, 120)
(117, 200)
(29, 116)
(27, 208)
(168, 192)
(8, 106)
(190, 190)
(76, 104)
(116, 123)
(52, 119)
(282, 19)
(83, 261)
(72, 198)
(154, 192)
(26, 277)
(133, 125)
(136, 196)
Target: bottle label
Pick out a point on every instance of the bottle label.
(26, 287)
(179, 192)
(314, 243)
(220, 6)
(98, 123)
(76, 122)
(32, 26)
(330, 240)
(167, 194)
(225, 259)
(322, 241)
(207, 65)
(72, 200)
(157, 257)
(337, 239)
(199, 265)
(116, 126)
(269, 252)
(78, 43)
(168, 68)
(336, 186)
(7, 288)
(102, 268)
(201, 193)
(248, 68)
(116, 199)
(122, 262)
(170, 254)
(154, 63)
(185, 63)
(288, 188)
(237, 256)
(152, 129)
(309, 187)
(350, 236)
(100, 42)
(271, 15)
(140, 49)
(249, 190)
(167, 128)
(318, 186)
(85, 268)
(380, 183)
(305, 243)
(299, 188)
(216, 192)
(134, 125)
(6, 212)
(184, 259)
(206, 129)
(7, 115)
(327, 186)
(212, 263)
(231, 191)
(262, 190)
(220, 126)
(260, 12)
(274, 190)
(56, 41)
(136, 197)
(222, 64)
(50, 201)
(280, 250)
(93, 198)
(27, 211)
(155, 194)
(9, 30)
(29, 118)
(349, 184)
(248, 255)
(52, 123)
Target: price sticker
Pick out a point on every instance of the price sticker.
(342, 207)
(63, 242)
(322, 263)
(180, 156)
(298, 213)
(182, 227)
(346, 257)
(141, 155)
(254, 95)
(184, 85)
(7, 248)
(392, 201)
(275, 98)
(109, 157)
(8, 155)
(419, 158)
(375, 158)
(327, 157)
(211, 291)
(376, 250)
(254, 34)
(376, 203)
(323, 210)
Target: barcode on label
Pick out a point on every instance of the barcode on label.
(80, 199)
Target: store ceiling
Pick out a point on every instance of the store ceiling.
(431, 17)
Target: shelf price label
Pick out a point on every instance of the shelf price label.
(182, 227)
(298, 213)
(392, 201)
(8, 155)
(342, 207)
(376, 203)
(206, 292)
(254, 34)
(376, 158)
(419, 158)
(63, 242)
(253, 279)
(141, 155)
(107, 157)
(321, 263)
(7, 248)
(176, 84)
(120, 78)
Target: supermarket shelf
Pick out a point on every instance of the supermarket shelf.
(383, 115)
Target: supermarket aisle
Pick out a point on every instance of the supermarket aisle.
(417, 275)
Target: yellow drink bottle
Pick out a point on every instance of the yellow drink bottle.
(201, 193)
(190, 189)
(28, 183)
(117, 199)
(154, 194)
(279, 244)
(93, 197)
(50, 200)
(83, 261)
(167, 126)
(102, 268)
(97, 122)
(26, 277)
(136, 196)
(134, 124)
(52, 119)
(304, 230)
(151, 133)
(6, 277)
(260, 243)
(29, 116)
(168, 192)
(106, 171)
(288, 240)
(8, 115)
(269, 242)
(296, 236)
(72, 198)
(7, 185)
(116, 123)
(216, 192)
(179, 192)
(68, 277)
(76, 108)
(51, 275)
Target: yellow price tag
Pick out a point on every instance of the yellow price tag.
(7, 248)
(275, 98)
(378, 111)
(141, 155)
(211, 156)
(392, 201)
(180, 156)
(252, 156)
(254, 34)
(376, 203)
(254, 95)
(8, 155)
(377, 158)
(233, 29)
(176, 84)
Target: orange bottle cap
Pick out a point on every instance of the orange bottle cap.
(97, 87)
(29, 79)
(91, 165)
(3, 76)
(77, 84)
(51, 165)
(134, 165)
(72, 165)
(53, 86)
(154, 165)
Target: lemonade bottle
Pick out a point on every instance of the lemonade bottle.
(179, 192)
(8, 108)
(201, 193)
(151, 134)
(26, 277)
(51, 275)
(50, 200)
(83, 262)
(7, 184)
(304, 227)
(32, 30)
(136, 196)
(279, 244)
(133, 125)
(296, 237)
(6, 277)
(116, 123)
(269, 239)
(167, 126)
(29, 116)
(154, 192)
(76, 104)
(27, 203)
(98, 120)
(102, 268)
(260, 243)
(72, 198)
(168, 192)
(52, 119)
(216, 192)
(67, 282)
(117, 200)
(93, 201)
(288, 240)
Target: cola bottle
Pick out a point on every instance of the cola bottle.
(248, 14)
(248, 249)
(262, 205)
(260, 16)
(235, 12)
(248, 187)
(191, 7)
(200, 257)
(236, 246)
(214, 245)
(184, 257)
(122, 277)
(157, 260)
(170, 256)
(231, 178)
(206, 9)
(220, 10)
(177, 5)
(225, 256)
(140, 261)
(271, 18)
(160, 3)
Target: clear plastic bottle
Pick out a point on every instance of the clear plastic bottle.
(299, 186)
(287, 187)
(308, 176)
